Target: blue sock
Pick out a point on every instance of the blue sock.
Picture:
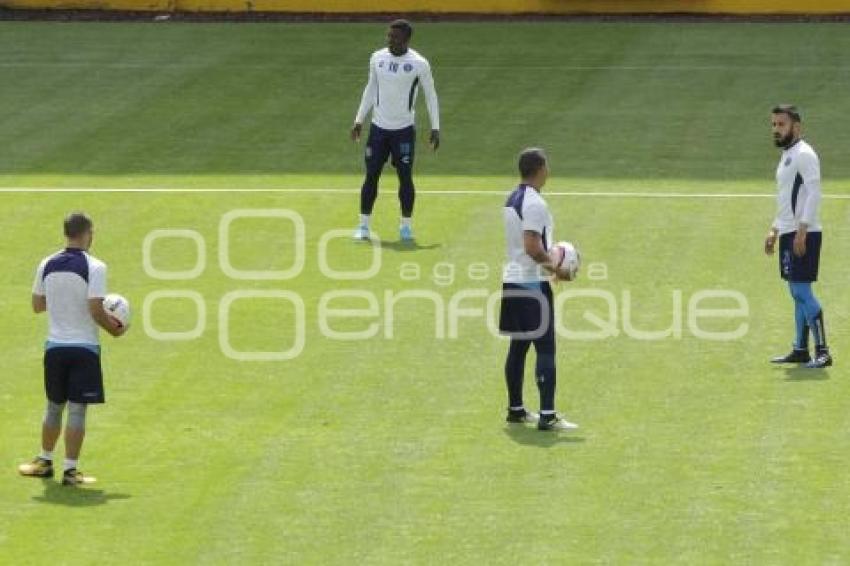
(802, 292)
(819, 332)
(802, 340)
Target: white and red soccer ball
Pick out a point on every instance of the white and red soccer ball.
(566, 259)
(118, 308)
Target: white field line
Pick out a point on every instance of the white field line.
(11, 64)
(591, 194)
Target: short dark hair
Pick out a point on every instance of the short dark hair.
(404, 26)
(531, 160)
(77, 224)
(789, 110)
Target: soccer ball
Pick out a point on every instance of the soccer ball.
(566, 258)
(118, 308)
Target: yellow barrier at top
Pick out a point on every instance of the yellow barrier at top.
(563, 7)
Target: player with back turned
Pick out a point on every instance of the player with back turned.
(70, 286)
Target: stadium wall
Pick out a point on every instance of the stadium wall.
(563, 7)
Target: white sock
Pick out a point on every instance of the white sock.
(364, 220)
(406, 221)
(70, 464)
(46, 455)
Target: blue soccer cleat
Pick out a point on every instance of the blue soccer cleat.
(822, 360)
(361, 233)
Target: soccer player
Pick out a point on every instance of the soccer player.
(527, 313)
(798, 229)
(70, 285)
(395, 75)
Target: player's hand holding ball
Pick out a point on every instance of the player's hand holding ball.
(566, 261)
(118, 310)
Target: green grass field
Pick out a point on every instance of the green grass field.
(393, 450)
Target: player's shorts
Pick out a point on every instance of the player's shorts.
(383, 144)
(528, 313)
(800, 269)
(73, 374)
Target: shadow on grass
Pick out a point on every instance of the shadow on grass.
(805, 374)
(529, 436)
(399, 246)
(58, 494)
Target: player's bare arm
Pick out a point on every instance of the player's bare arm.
(39, 303)
(534, 248)
(434, 140)
(109, 324)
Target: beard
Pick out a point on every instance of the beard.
(784, 141)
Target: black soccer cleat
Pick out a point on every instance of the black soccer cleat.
(795, 357)
(38, 468)
(74, 477)
(822, 360)
(522, 417)
(556, 423)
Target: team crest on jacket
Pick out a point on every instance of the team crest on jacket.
(408, 67)
(787, 162)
